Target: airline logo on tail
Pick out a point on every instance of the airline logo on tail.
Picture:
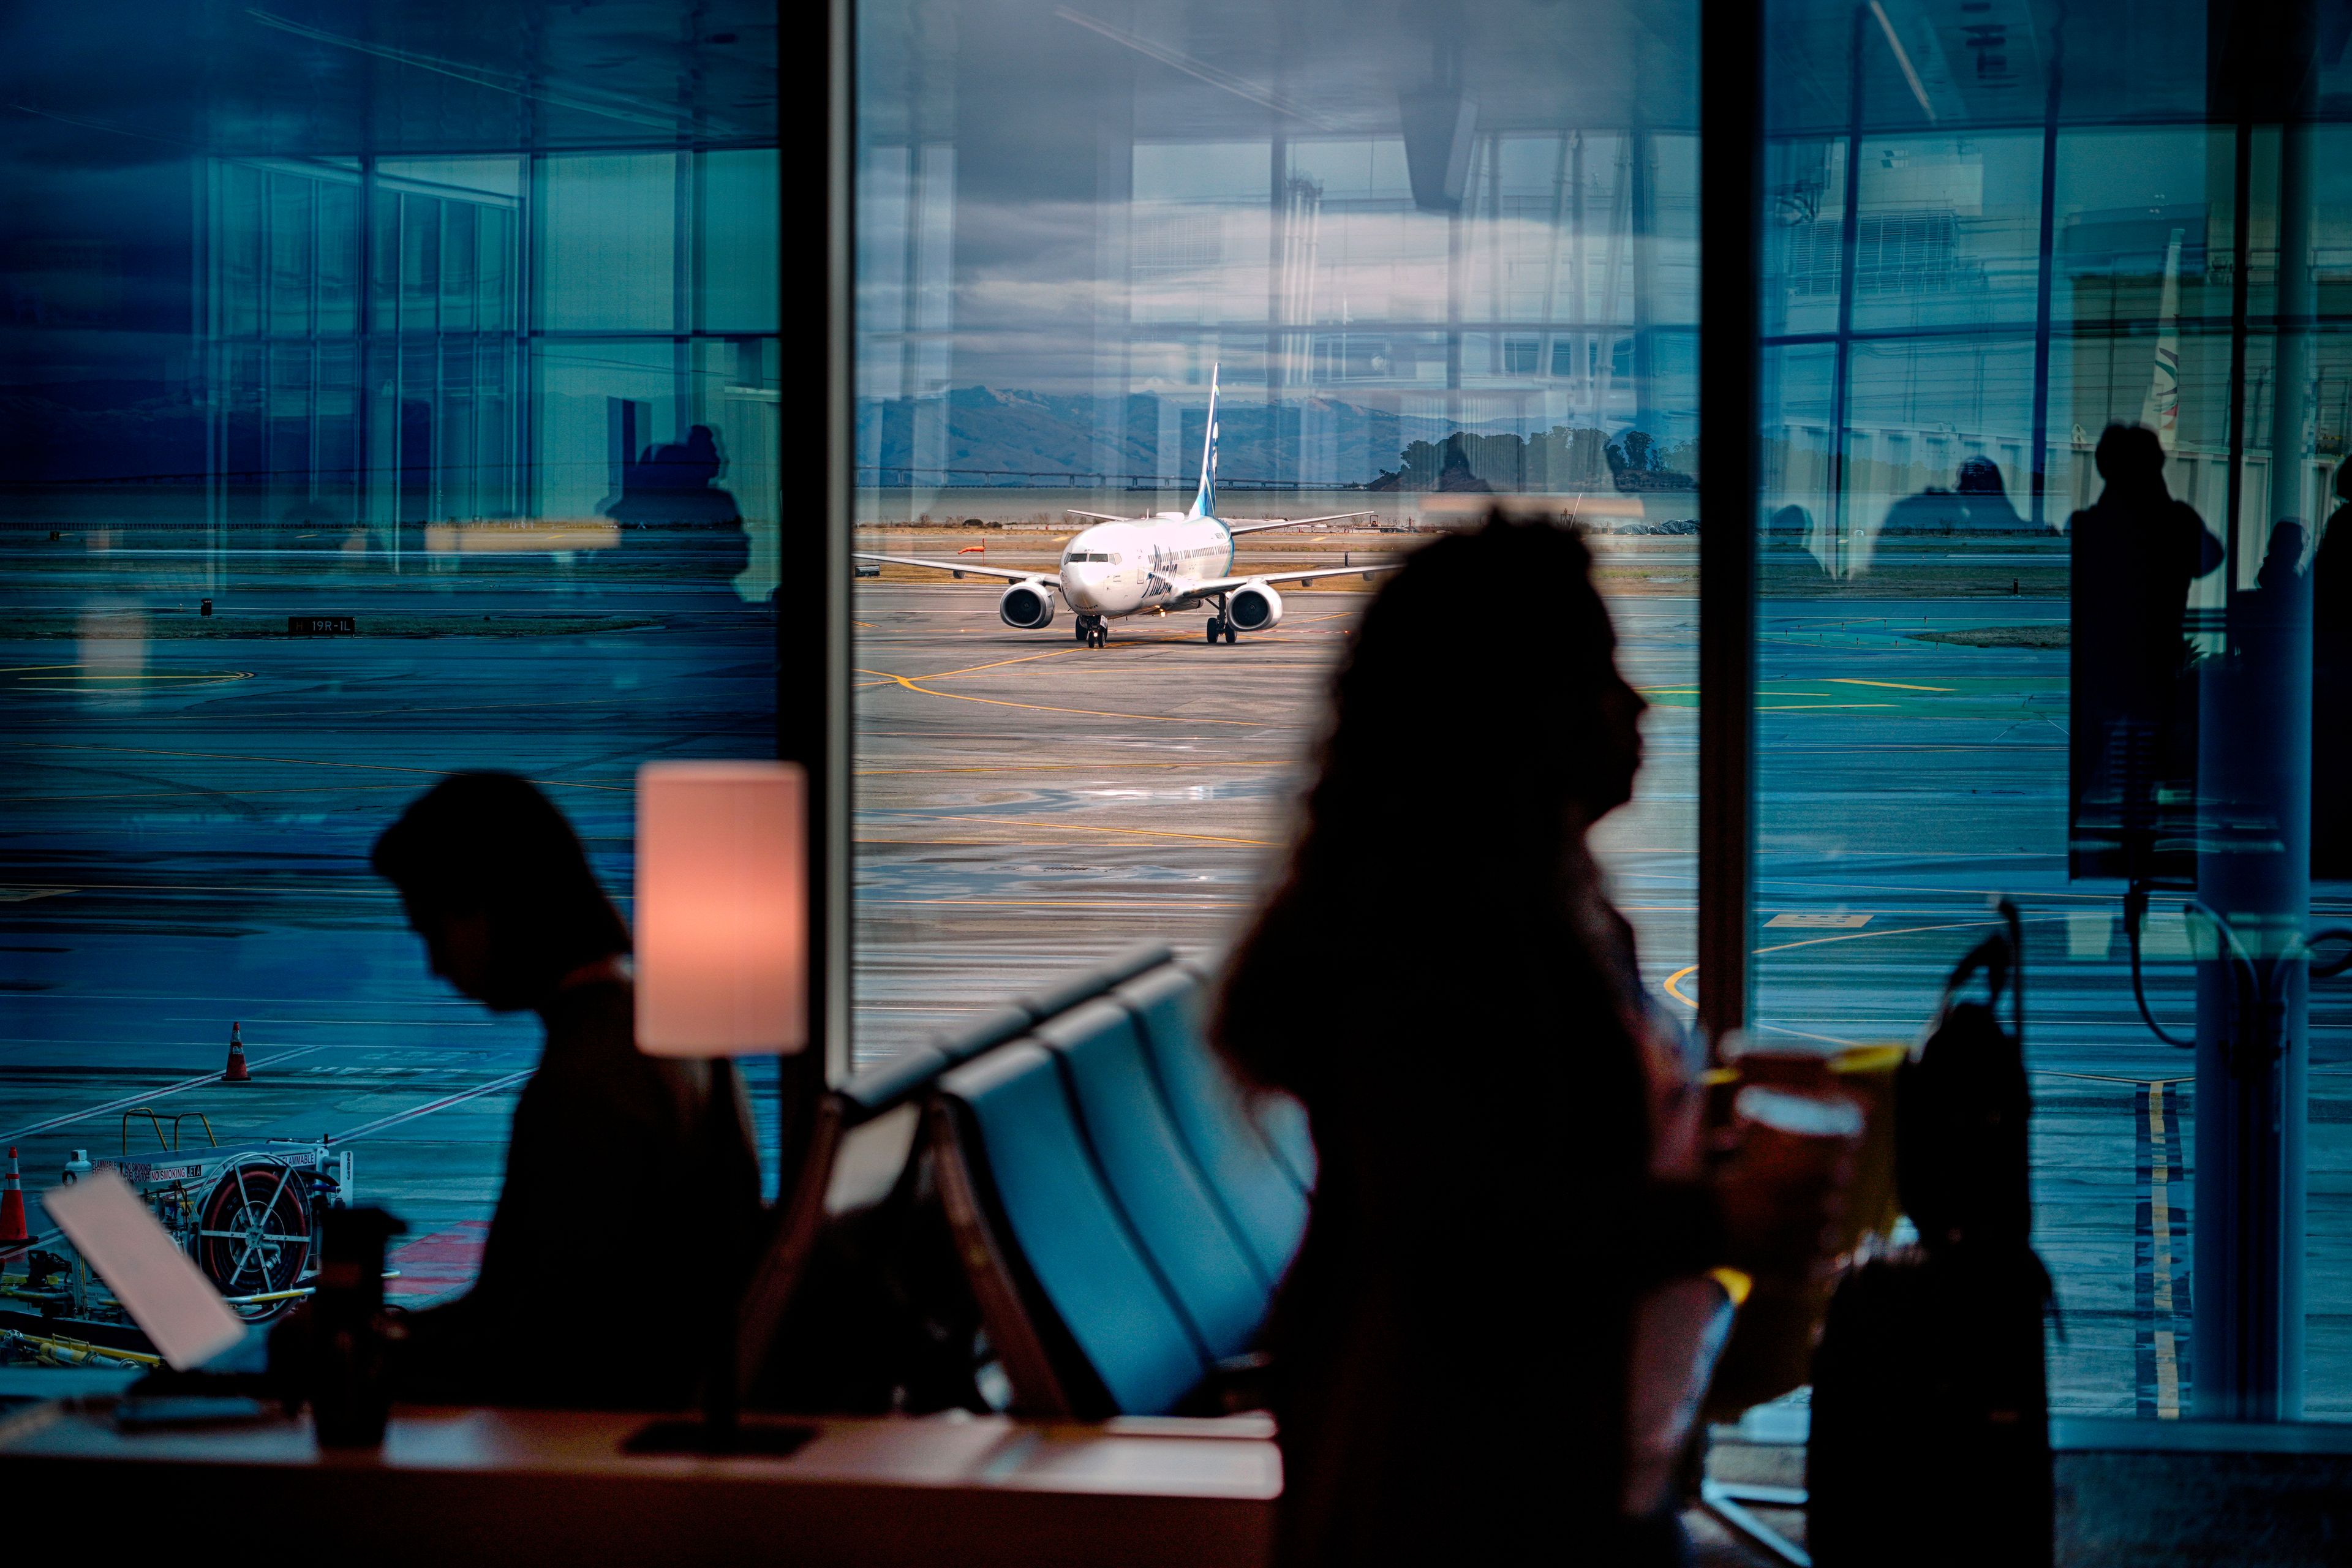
(2160, 409)
(1204, 503)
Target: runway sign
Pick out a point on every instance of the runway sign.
(321, 626)
(1819, 921)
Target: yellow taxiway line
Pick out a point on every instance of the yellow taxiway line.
(1088, 827)
(909, 682)
(302, 763)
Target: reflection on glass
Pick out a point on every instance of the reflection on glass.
(2048, 433)
(1431, 260)
(391, 394)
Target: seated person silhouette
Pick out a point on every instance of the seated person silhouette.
(1985, 499)
(674, 489)
(1506, 1129)
(1933, 511)
(1978, 503)
(620, 1168)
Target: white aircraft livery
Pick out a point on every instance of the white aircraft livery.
(1171, 561)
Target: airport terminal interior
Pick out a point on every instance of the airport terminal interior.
(397, 390)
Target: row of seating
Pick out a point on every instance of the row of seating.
(1121, 1208)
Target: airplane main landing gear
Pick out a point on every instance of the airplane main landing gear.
(1217, 627)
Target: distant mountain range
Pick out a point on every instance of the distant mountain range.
(114, 431)
(998, 437)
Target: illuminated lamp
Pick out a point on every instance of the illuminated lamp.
(722, 959)
(722, 909)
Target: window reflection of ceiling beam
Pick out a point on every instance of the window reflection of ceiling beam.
(1903, 59)
(1198, 70)
(588, 101)
(86, 123)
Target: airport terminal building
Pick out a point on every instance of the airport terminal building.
(1951, 398)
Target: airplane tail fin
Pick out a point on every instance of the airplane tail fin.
(1204, 503)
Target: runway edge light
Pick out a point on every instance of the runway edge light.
(721, 909)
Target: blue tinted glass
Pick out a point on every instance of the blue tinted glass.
(391, 391)
(1430, 260)
(2009, 649)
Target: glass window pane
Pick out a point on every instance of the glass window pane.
(307, 512)
(608, 242)
(1411, 304)
(737, 208)
(2047, 444)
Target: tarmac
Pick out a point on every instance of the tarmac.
(1025, 807)
(187, 818)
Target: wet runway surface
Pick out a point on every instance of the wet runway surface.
(184, 825)
(185, 833)
(1027, 806)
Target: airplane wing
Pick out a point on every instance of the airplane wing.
(1227, 585)
(1006, 572)
(1293, 521)
(1098, 516)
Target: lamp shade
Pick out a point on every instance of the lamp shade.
(721, 909)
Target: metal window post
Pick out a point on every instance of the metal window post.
(2253, 783)
(1731, 145)
(813, 626)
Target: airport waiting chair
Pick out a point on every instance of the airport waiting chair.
(1185, 1231)
(1278, 1116)
(1261, 1193)
(863, 1137)
(1072, 1304)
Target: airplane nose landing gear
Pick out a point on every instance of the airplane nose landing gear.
(1094, 631)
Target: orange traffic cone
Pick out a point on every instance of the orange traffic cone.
(235, 1072)
(12, 1205)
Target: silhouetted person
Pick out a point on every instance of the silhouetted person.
(1441, 982)
(1985, 499)
(2331, 690)
(674, 487)
(2135, 553)
(624, 1172)
(1978, 503)
(1933, 511)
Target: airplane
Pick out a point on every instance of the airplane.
(1135, 565)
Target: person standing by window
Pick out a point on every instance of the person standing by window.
(1442, 980)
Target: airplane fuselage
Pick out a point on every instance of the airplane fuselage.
(1169, 561)
(1116, 569)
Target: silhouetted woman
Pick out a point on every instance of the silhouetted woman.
(1440, 978)
(625, 1174)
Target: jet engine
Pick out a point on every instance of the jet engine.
(1027, 606)
(1254, 607)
